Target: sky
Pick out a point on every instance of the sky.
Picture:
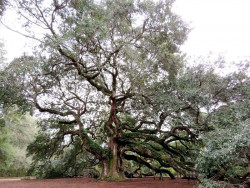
(220, 27)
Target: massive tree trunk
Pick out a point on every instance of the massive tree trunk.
(113, 163)
(112, 167)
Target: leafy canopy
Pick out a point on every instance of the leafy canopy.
(111, 74)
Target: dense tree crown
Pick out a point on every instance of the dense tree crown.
(110, 74)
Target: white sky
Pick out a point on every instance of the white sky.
(218, 26)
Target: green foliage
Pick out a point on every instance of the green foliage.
(2, 54)
(68, 160)
(100, 51)
(12, 83)
(109, 79)
(226, 147)
(226, 152)
(206, 183)
(6, 149)
(18, 131)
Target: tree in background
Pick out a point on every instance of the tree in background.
(20, 130)
(5, 147)
(17, 128)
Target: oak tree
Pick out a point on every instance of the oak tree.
(110, 73)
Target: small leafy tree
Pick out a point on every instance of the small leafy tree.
(17, 127)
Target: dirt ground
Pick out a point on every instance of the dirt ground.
(92, 183)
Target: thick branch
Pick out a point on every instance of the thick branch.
(143, 162)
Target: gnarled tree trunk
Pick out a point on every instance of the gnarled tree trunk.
(112, 167)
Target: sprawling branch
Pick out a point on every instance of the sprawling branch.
(143, 162)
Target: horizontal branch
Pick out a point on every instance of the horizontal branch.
(51, 111)
(143, 162)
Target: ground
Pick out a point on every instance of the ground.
(92, 183)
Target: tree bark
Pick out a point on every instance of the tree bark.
(112, 167)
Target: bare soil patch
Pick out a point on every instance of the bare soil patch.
(92, 183)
